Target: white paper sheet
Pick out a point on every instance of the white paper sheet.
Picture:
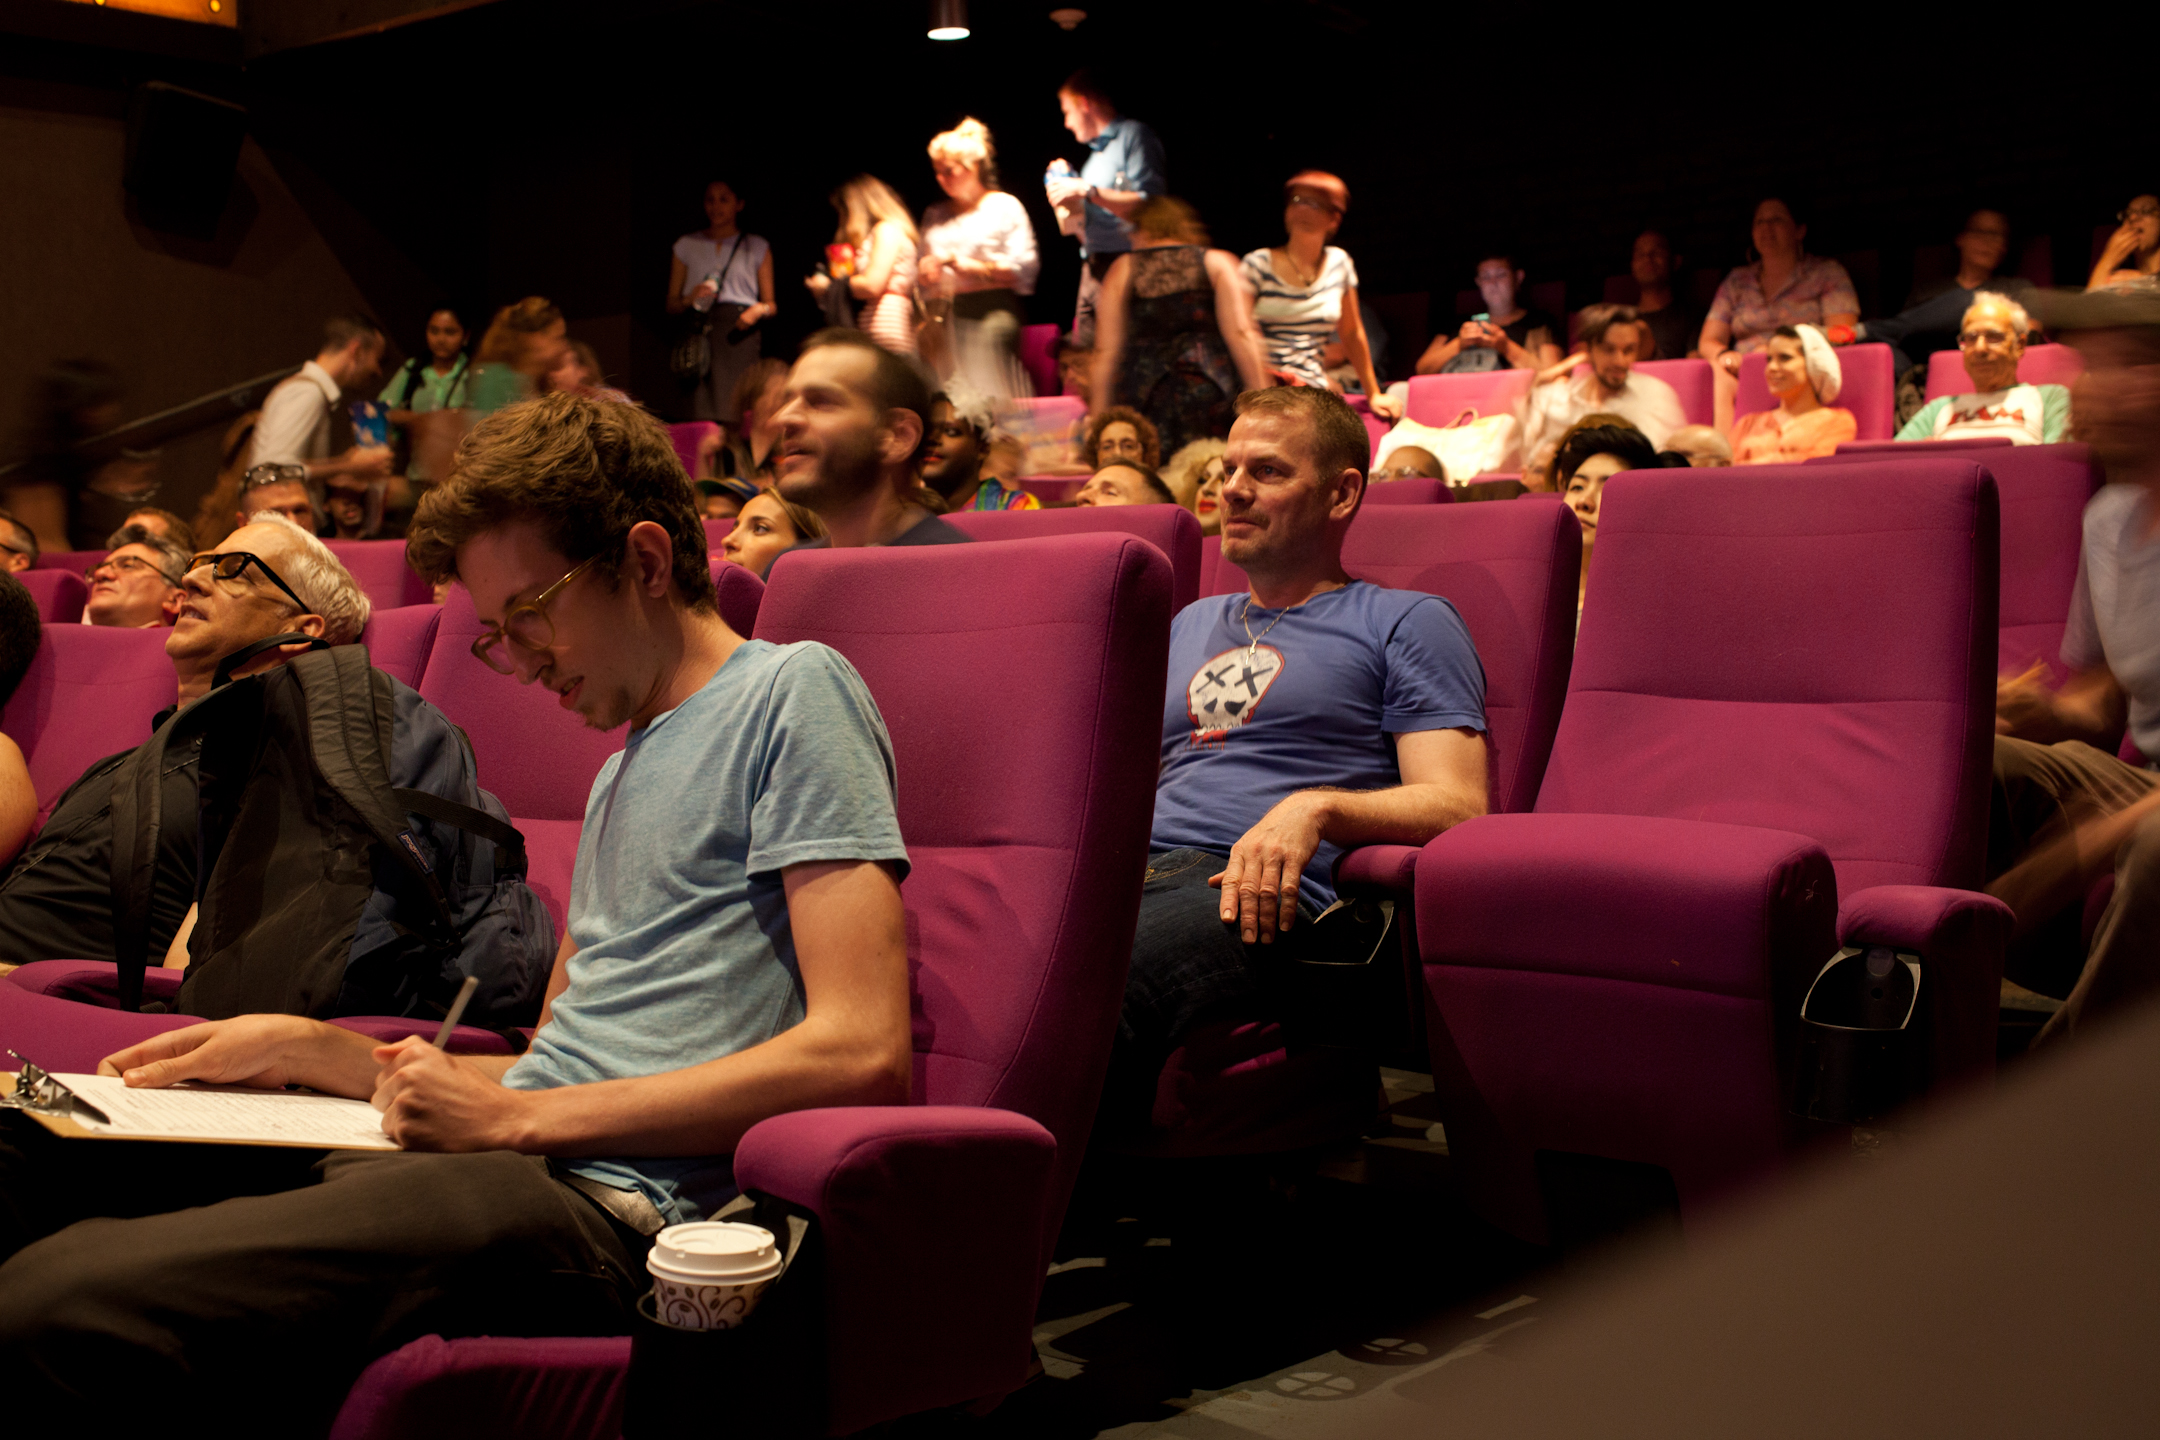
(229, 1113)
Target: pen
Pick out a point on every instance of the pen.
(457, 1010)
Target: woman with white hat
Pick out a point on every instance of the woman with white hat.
(1804, 374)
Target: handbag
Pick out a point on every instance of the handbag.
(691, 359)
(1469, 445)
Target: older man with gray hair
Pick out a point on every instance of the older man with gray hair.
(1992, 339)
(137, 584)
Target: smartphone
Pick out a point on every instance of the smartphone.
(1483, 317)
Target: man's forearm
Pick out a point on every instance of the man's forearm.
(706, 1109)
(1404, 815)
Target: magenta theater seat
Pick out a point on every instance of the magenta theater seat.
(1782, 695)
(1692, 381)
(398, 641)
(741, 592)
(686, 437)
(1038, 356)
(1412, 490)
(1054, 412)
(717, 531)
(2039, 365)
(1441, 399)
(1870, 390)
(74, 562)
(1236, 1086)
(1053, 489)
(91, 691)
(60, 594)
(2042, 490)
(378, 567)
(1911, 448)
(1021, 907)
(1169, 528)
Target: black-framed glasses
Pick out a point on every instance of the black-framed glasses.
(527, 624)
(274, 472)
(127, 562)
(232, 564)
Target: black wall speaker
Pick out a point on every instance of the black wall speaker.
(181, 150)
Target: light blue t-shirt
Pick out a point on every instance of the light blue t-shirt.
(1125, 156)
(1316, 702)
(683, 948)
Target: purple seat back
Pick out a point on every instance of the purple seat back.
(398, 641)
(686, 437)
(534, 756)
(741, 592)
(1025, 882)
(2039, 365)
(1038, 356)
(1692, 381)
(1053, 489)
(1169, 528)
(60, 594)
(1911, 448)
(1375, 428)
(717, 531)
(378, 567)
(1512, 572)
(2042, 491)
(1439, 399)
(1808, 650)
(91, 691)
(1054, 412)
(1414, 490)
(75, 562)
(1869, 391)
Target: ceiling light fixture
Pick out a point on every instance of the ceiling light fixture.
(948, 20)
(1068, 18)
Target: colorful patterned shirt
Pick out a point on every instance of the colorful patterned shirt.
(990, 495)
(1818, 287)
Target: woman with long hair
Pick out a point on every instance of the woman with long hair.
(1174, 335)
(876, 246)
(979, 253)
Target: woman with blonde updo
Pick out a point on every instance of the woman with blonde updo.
(881, 242)
(979, 254)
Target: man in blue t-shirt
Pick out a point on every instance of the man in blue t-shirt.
(735, 949)
(1123, 171)
(1313, 713)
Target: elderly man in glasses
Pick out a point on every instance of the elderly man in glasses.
(1992, 339)
(137, 584)
(268, 578)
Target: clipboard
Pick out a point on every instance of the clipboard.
(222, 1115)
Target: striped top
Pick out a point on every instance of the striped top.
(1297, 322)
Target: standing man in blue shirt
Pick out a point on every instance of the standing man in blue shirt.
(1124, 170)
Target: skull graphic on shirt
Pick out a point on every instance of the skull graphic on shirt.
(1225, 691)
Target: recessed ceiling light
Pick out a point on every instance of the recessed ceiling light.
(1068, 18)
(948, 20)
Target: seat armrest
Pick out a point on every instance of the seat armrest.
(1960, 936)
(92, 982)
(1384, 870)
(931, 1220)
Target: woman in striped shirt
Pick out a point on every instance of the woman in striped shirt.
(1305, 290)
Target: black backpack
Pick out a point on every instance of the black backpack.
(321, 889)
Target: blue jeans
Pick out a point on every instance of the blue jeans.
(1188, 968)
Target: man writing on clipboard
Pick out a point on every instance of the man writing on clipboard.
(735, 950)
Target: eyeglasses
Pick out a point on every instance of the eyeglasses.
(232, 564)
(2138, 212)
(1969, 338)
(128, 562)
(527, 624)
(274, 472)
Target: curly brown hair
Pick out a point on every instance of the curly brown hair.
(1150, 438)
(585, 471)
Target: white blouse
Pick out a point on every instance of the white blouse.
(996, 232)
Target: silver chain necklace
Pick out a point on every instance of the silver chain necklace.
(1252, 641)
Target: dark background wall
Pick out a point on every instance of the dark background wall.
(480, 152)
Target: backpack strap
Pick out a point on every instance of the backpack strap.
(509, 844)
(223, 674)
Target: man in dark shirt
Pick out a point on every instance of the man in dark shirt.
(1508, 336)
(1672, 328)
(852, 422)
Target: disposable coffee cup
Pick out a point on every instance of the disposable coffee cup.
(708, 1275)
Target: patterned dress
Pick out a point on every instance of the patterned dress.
(1176, 367)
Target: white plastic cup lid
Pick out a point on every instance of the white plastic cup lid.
(724, 1250)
